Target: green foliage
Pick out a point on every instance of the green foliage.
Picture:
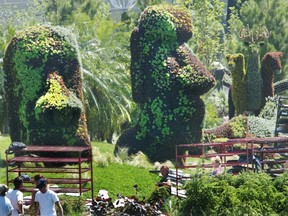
(236, 64)
(211, 117)
(238, 126)
(72, 205)
(261, 127)
(63, 12)
(104, 52)
(105, 58)
(216, 103)
(160, 194)
(167, 81)
(145, 3)
(57, 95)
(235, 128)
(33, 56)
(271, 14)
(208, 31)
(244, 194)
(269, 111)
(116, 177)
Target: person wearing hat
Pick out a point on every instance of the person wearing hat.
(46, 199)
(16, 196)
(5, 204)
(35, 190)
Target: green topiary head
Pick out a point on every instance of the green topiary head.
(166, 22)
(43, 88)
(235, 62)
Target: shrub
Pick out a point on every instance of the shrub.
(244, 194)
(72, 205)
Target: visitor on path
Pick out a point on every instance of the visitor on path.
(16, 197)
(35, 190)
(5, 204)
(217, 168)
(46, 199)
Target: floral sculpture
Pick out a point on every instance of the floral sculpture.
(271, 62)
(259, 75)
(43, 86)
(167, 81)
(236, 64)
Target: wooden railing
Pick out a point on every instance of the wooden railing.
(251, 148)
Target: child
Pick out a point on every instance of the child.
(216, 164)
(165, 180)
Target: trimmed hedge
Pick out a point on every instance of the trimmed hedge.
(243, 194)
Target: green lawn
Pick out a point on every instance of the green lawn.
(115, 176)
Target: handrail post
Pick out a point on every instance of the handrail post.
(176, 150)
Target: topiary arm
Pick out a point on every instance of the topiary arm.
(192, 74)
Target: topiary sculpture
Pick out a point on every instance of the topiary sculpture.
(167, 81)
(253, 41)
(43, 88)
(236, 64)
(271, 62)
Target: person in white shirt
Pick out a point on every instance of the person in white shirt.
(5, 204)
(46, 200)
(16, 196)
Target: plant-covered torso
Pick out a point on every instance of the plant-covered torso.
(236, 64)
(167, 81)
(271, 62)
(253, 80)
(43, 88)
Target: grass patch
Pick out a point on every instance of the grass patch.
(115, 176)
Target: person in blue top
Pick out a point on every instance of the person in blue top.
(5, 204)
(216, 165)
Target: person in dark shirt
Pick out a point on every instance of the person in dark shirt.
(163, 189)
(165, 180)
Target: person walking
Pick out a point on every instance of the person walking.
(46, 200)
(16, 197)
(32, 203)
(5, 204)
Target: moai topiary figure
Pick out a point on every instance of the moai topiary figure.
(167, 81)
(236, 64)
(43, 88)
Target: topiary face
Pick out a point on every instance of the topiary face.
(44, 88)
(235, 62)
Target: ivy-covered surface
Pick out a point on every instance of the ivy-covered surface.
(236, 64)
(271, 63)
(254, 79)
(167, 81)
(235, 128)
(43, 88)
(242, 85)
